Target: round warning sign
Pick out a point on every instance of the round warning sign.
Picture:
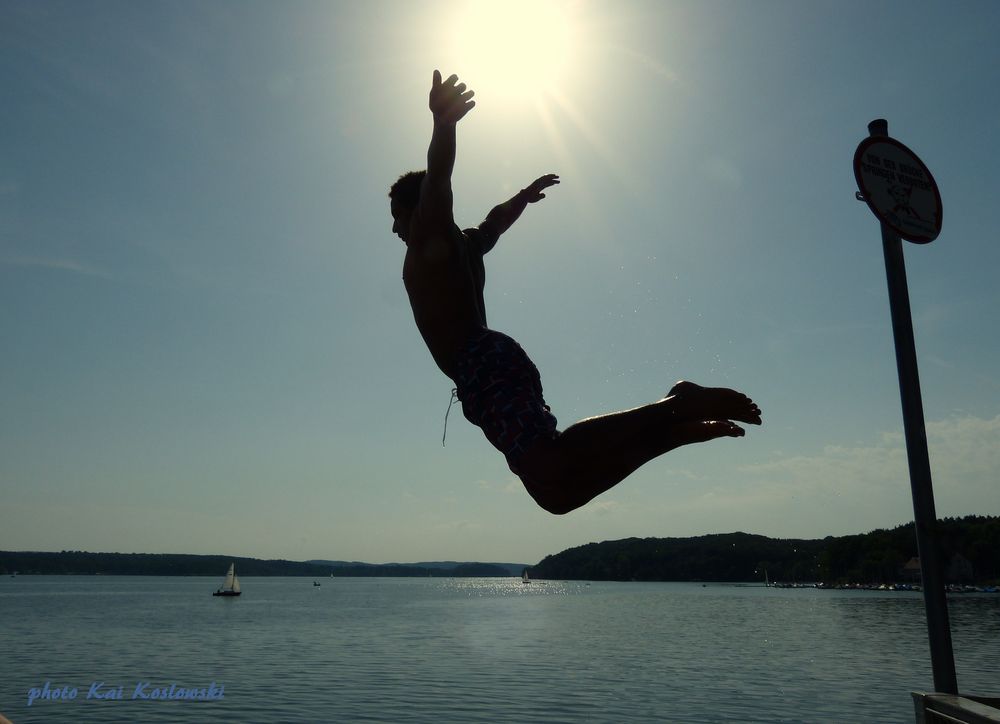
(898, 188)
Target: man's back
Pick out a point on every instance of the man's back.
(444, 277)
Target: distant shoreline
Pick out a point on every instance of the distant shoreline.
(904, 587)
(970, 547)
(84, 563)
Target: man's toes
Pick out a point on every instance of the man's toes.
(735, 430)
(724, 428)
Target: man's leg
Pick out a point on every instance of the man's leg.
(597, 453)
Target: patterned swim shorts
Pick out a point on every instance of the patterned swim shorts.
(501, 393)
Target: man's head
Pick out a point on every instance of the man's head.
(403, 198)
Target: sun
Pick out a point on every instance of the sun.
(514, 51)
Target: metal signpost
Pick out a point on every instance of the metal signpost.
(901, 192)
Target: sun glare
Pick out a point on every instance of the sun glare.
(514, 50)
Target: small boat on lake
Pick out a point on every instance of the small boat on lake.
(524, 576)
(316, 584)
(231, 586)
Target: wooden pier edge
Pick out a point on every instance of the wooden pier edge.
(932, 708)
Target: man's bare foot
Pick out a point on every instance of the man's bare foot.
(693, 403)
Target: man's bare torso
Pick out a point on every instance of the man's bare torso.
(444, 277)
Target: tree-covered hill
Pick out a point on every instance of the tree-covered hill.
(971, 548)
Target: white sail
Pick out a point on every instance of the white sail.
(236, 584)
(230, 577)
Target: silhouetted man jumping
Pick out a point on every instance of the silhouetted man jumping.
(497, 384)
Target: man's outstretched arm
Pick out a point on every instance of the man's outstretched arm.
(504, 215)
(449, 102)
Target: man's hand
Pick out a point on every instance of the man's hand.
(533, 193)
(449, 100)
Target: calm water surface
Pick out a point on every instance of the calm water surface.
(478, 650)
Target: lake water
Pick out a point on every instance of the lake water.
(476, 650)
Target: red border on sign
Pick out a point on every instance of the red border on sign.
(862, 147)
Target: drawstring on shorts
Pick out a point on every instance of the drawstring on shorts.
(454, 396)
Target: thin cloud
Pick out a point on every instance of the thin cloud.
(70, 265)
(868, 486)
(957, 446)
(602, 507)
(458, 526)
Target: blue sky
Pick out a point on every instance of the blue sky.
(208, 349)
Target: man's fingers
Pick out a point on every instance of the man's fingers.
(540, 183)
(450, 100)
(545, 181)
(464, 101)
(457, 111)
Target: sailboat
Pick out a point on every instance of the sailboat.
(231, 586)
(524, 576)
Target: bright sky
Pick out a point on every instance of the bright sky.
(207, 347)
